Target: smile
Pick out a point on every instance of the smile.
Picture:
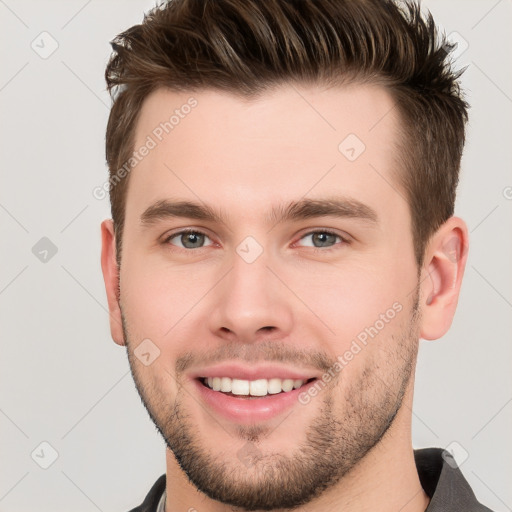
(250, 401)
(252, 388)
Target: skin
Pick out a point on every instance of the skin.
(352, 442)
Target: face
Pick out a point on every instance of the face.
(289, 283)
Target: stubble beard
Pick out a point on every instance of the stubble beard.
(342, 433)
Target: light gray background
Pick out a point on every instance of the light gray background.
(62, 379)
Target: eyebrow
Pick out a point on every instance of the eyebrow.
(294, 211)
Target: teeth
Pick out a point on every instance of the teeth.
(287, 384)
(274, 386)
(239, 387)
(226, 384)
(260, 387)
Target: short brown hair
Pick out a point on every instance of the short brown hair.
(246, 47)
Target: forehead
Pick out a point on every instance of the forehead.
(289, 142)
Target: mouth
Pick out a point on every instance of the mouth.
(246, 402)
(253, 389)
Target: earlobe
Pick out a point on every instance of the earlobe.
(443, 269)
(111, 278)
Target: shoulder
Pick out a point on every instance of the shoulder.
(150, 503)
(444, 482)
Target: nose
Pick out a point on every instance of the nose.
(251, 303)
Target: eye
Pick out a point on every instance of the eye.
(188, 239)
(325, 239)
(322, 240)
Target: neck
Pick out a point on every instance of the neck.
(386, 479)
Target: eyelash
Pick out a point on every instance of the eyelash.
(315, 249)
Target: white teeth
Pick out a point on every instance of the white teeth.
(259, 387)
(287, 384)
(239, 387)
(225, 384)
(216, 384)
(274, 386)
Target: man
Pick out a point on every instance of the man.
(282, 181)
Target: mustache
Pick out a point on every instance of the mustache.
(267, 351)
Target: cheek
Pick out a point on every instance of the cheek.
(157, 297)
(350, 299)
(365, 307)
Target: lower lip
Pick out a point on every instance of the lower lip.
(249, 410)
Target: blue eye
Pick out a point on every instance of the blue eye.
(190, 239)
(326, 239)
(194, 239)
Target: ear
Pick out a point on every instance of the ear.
(441, 279)
(111, 278)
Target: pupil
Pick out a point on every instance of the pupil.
(323, 236)
(193, 238)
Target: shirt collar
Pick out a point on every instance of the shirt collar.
(444, 483)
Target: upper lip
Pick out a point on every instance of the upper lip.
(254, 372)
